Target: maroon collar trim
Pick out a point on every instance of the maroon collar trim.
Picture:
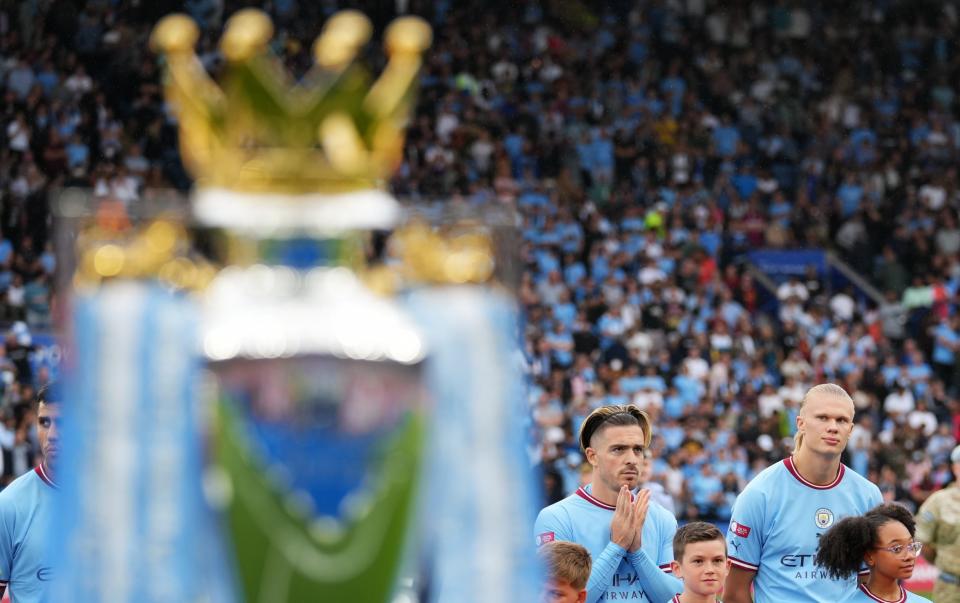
(44, 477)
(866, 591)
(582, 493)
(788, 463)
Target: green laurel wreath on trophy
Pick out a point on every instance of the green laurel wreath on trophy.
(284, 554)
(260, 144)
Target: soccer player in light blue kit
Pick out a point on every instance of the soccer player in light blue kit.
(26, 508)
(630, 537)
(780, 515)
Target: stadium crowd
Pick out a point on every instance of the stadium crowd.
(647, 146)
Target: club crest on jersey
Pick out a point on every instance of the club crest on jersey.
(824, 518)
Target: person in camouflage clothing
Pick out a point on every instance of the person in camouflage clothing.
(938, 527)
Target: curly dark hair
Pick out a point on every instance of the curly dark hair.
(896, 512)
(842, 548)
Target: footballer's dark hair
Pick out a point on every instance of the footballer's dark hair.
(842, 547)
(695, 531)
(615, 415)
(49, 394)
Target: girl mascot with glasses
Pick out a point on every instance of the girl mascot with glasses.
(883, 540)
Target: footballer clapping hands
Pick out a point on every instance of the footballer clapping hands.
(626, 526)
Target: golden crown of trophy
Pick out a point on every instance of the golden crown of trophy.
(334, 132)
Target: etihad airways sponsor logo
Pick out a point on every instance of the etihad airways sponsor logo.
(803, 567)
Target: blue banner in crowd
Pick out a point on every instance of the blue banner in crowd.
(782, 264)
(132, 525)
(480, 499)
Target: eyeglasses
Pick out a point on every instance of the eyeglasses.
(897, 549)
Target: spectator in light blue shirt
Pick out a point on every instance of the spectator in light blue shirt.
(945, 342)
(849, 194)
(21, 79)
(601, 152)
(726, 138)
(612, 326)
(78, 154)
(707, 489)
(565, 311)
(745, 182)
(631, 382)
(561, 344)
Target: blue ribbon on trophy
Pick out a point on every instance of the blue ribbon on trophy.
(130, 504)
(480, 495)
(480, 498)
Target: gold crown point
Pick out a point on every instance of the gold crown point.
(175, 34)
(349, 26)
(408, 36)
(247, 34)
(343, 35)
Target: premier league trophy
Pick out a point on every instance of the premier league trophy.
(364, 417)
(321, 414)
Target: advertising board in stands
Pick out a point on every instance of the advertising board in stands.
(782, 264)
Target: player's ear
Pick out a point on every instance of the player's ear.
(591, 455)
(582, 597)
(675, 568)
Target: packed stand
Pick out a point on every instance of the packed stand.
(647, 146)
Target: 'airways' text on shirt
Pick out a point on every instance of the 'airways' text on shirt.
(634, 595)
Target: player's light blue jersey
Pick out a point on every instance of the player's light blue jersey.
(863, 595)
(617, 575)
(25, 513)
(776, 524)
